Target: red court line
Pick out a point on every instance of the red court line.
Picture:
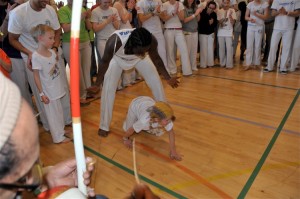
(181, 167)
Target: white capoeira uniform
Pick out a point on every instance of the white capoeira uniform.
(153, 25)
(21, 20)
(255, 33)
(99, 16)
(139, 118)
(225, 34)
(118, 63)
(296, 49)
(174, 35)
(283, 27)
(52, 84)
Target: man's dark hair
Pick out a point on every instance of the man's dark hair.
(139, 40)
(8, 158)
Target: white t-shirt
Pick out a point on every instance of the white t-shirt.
(173, 22)
(153, 24)
(50, 75)
(139, 106)
(284, 22)
(23, 18)
(227, 29)
(99, 16)
(259, 8)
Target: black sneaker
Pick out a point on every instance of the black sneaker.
(266, 70)
(283, 72)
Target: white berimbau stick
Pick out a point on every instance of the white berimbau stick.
(136, 175)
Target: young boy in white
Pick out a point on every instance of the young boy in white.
(283, 10)
(226, 18)
(257, 12)
(149, 12)
(146, 114)
(48, 81)
(173, 14)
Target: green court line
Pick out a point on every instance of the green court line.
(237, 80)
(268, 149)
(176, 195)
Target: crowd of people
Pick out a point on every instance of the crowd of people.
(132, 39)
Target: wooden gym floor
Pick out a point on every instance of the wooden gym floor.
(238, 132)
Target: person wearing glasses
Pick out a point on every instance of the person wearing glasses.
(19, 149)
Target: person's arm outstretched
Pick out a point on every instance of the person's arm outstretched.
(126, 140)
(173, 154)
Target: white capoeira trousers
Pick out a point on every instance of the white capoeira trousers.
(206, 43)
(253, 53)
(226, 55)
(161, 47)
(145, 68)
(19, 77)
(176, 37)
(53, 112)
(85, 52)
(192, 45)
(287, 36)
(296, 50)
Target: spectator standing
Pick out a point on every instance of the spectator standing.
(125, 12)
(47, 78)
(296, 47)
(257, 12)
(173, 14)
(226, 18)
(283, 11)
(18, 73)
(237, 28)
(269, 24)
(149, 14)
(105, 20)
(206, 29)
(85, 50)
(243, 7)
(190, 30)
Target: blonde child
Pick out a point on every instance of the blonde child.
(48, 80)
(144, 114)
(226, 18)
